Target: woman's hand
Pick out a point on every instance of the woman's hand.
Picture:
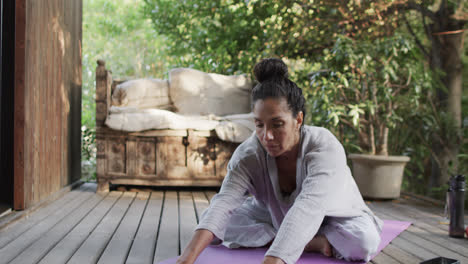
(272, 260)
(200, 240)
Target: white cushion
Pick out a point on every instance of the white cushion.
(236, 128)
(133, 120)
(232, 128)
(142, 94)
(196, 92)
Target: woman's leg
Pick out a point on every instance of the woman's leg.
(353, 238)
(249, 226)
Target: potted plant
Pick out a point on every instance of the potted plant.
(364, 89)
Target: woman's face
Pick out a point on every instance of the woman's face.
(276, 128)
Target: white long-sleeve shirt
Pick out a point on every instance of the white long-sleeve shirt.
(324, 187)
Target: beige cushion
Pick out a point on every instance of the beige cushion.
(132, 119)
(195, 92)
(235, 128)
(142, 94)
(232, 128)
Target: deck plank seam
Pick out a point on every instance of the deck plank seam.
(391, 248)
(107, 202)
(392, 257)
(384, 215)
(414, 219)
(207, 197)
(429, 233)
(410, 253)
(426, 214)
(178, 223)
(95, 226)
(195, 207)
(440, 243)
(431, 250)
(14, 217)
(73, 227)
(30, 243)
(139, 224)
(426, 249)
(116, 228)
(163, 203)
(436, 243)
(69, 199)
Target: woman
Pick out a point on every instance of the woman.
(303, 197)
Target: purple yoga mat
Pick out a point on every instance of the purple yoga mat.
(221, 254)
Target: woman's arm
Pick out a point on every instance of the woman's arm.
(214, 220)
(233, 192)
(200, 240)
(322, 189)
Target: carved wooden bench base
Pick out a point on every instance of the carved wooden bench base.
(161, 158)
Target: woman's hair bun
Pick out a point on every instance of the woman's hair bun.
(271, 68)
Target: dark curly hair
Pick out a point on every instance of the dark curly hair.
(272, 75)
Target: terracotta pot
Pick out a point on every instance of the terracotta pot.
(378, 177)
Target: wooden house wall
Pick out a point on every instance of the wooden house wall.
(47, 98)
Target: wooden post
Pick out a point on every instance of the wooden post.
(19, 105)
(101, 164)
(103, 94)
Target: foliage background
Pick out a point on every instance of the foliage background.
(119, 33)
(146, 38)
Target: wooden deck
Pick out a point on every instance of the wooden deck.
(148, 226)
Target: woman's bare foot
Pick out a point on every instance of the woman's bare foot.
(319, 244)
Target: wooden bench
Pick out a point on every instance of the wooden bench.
(154, 157)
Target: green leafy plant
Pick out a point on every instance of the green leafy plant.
(368, 86)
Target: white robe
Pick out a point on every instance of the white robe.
(324, 188)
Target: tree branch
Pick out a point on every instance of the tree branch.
(411, 5)
(426, 28)
(418, 42)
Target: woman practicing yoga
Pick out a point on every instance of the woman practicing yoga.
(287, 186)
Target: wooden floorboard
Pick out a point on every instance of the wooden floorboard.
(411, 248)
(401, 255)
(119, 246)
(90, 251)
(143, 247)
(383, 258)
(167, 245)
(42, 246)
(424, 207)
(201, 204)
(15, 230)
(187, 218)
(432, 215)
(416, 215)
(148, 226)
(210, 194)
(431, 229)
(22, 242)
(433, 247)
(423, 242)
(65, 249)
(437, 232)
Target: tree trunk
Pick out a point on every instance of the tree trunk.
(383, 145)
(446, 52)
(372, 139)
